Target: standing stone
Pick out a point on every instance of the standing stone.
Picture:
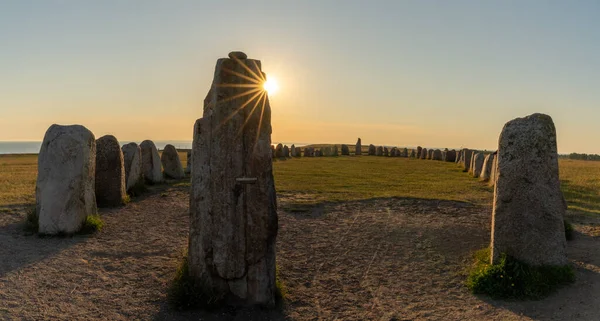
(419, 151)
(151, 165)
(335, 151)
(64, 192)
(527, 220)
(188, 165)
(345, 150)
(466, 159)
(486, 170)
(459, 156)
(273, 151)
(372, 150)
(405, 152)
(424, 153)
(293, 150)
(379, 151)
(286, 151)
(318, 153)
(386, 152)
(110, 172)
(279, 151)
(358, 150)
(413, 154)
(394, 152)
(132, 160)
(472, 163)
(171, 163)
(430, 154)
(450, 156)
(436, 155)
(308, 152)
(233, 208)
(478, 160)
(494, 170)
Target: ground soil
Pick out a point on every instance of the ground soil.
(379, 259)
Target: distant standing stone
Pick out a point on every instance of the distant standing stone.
(430, 154)
(486, 170)
(279, 151)
(132, 160)
(372, 150)
(419, 151)
(472, 163)
(386, 152)
(110, 172)
(293, 150)
(379, 151)
(64, 192)
(450, 156)
(466, 159)
(318, 153)
(436, 155)
(358, 150)
(171, 163)
(527, 220)
(151, 163)
(405, 152)
(335, 151)
(308, 152)
(286, 151)
(478, 160)
(424, 153)
(413, 153)
(492, 181)
(345, 150)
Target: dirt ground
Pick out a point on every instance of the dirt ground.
(379, 259)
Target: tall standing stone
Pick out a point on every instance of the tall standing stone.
(486, 170)
(279, 150)
(372, 150)
(527, 220)
(492, 180)
(436, 155)
(286, 151)
(405, 152)
(64, 192)
(293, 150)
(424, 153)
(466, 159)
(309, 152)
(358, 150)
(335, 151)
(386, 151)
(419, 151)
(151, 164)
(430, 154)
(233, 209)
(132, 160)
(478, 160)
(379, 151)
(171, 163)
(345, 150)
(110, 172)
(413, 154)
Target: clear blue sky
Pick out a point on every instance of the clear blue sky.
(405, 73)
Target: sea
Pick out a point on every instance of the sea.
(34, 147)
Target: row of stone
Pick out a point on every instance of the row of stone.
(479, 164)
(77, 173)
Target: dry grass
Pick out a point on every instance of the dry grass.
(17, 180)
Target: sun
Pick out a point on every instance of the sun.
(271, 85)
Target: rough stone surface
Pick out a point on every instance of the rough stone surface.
(478, 160)
(466, 159)
(358, 150)
(286, 151)
(233, 220)
(279, 151)
(110, 172)
(132, 160)
(492, 181)
(424, 153)
(437, 155)
(345, 150)
(528, 214)
(379, 151)
(486, 170)
(171, 163)
(151, 164)
(188, 165)
(372, 150)
(450, 156)
(419, 151)
(64, 192)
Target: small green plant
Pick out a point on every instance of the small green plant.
(93, 223)
(32, 221)
(185, 294)
(569, 231)
(138, 189)
(512, 279)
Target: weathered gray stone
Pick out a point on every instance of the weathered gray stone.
(279, 151)
(467, 154)
(379, 151)
(492, 180)
(151, 164)
(478, 160)
(430, 154)
(64, 192)
(286, 151)
(450, 156)
(472, 163)
(171, 163)
(345, 150)
(486, 170)
(233, 209)
(293, 150)
(358, 150)
(437, 155)
(132, 161)
(372, 150)
(188, 165)
(394, 152)
(110, 172)
(527, 220)
(424, 153)
(412, 154)
(386, 151)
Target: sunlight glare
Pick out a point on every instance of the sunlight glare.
(271, 86)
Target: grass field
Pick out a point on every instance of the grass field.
(315, 180)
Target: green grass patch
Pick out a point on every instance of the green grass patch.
(512, 279)
(92, 224)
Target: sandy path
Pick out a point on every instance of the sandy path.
(384, 259)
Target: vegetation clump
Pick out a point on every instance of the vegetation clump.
(512, 279)
(92, 223)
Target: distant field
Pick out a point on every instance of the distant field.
(314, 180)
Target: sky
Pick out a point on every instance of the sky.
(401, 73)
